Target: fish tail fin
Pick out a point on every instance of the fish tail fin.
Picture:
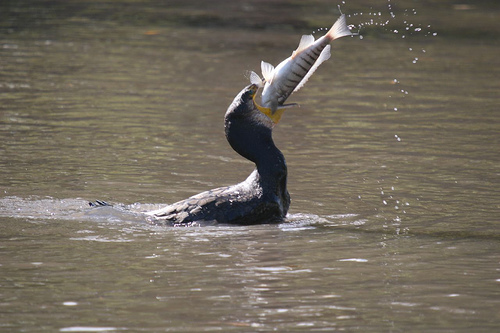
(339, 29)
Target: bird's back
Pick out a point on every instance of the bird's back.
(244, 203)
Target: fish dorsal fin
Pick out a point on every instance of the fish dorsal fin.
(267, 71)
(255, 79)
(324, 56)
(305, 42)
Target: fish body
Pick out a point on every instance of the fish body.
(292, 73)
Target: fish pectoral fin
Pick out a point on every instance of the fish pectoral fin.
(267, 71)
(305, 42)
(255, 79)
(289, 105)
(324, 56)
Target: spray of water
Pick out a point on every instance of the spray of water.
(394, 22)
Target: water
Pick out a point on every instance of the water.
(393, 170)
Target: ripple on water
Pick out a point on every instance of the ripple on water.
(88, 329)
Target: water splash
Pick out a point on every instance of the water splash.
(386, 19)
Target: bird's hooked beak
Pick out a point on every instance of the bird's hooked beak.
(276, 116)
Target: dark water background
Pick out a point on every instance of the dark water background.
(393, 163)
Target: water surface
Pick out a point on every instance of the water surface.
(393, 170)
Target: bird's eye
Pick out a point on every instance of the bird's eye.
(253, 89)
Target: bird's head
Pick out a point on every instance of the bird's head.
(248, 125)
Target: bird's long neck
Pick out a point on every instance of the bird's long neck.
(273, 174)
(271, 164)
(257, 145)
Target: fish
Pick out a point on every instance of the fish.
(292, 73)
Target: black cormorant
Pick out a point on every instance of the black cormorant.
(263, 196)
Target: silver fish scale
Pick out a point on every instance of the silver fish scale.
(299, 70)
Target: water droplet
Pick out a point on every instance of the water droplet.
(70, 303)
